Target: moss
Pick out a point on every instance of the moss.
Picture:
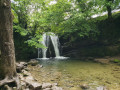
(117, 61)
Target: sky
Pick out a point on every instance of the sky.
(12, 0)
(53, 2)
(104, 13)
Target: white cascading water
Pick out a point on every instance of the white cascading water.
(44, 42)
(55, 42)
(38, 52)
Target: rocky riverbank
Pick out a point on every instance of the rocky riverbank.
(28, 82)
(103, 60)
(34, 76)
(77, 74)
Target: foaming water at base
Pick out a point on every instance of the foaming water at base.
(52, 58)
(61, 57)
(42, 58)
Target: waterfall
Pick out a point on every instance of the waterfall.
(38, 53)
(45, 42)
(55, 42)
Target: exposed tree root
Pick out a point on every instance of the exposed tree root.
(8, 81)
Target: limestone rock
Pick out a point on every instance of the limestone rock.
(39, 66)
(33, 62)
(46, 85)
(6, 87)
(102, 88)
(56, 88)
(20, 66)
(84, 86)
(25, 73)
(14, 88)
(54, 84)
(103, 61)
(29, 78)
(23, 63)
(47, 89)
(33, 85)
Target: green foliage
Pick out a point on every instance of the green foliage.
(36, 41)
(15, 20)
(68, 18)
(21, 30)
(63, 17)
(117, 61)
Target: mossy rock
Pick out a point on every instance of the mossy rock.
(116, 61)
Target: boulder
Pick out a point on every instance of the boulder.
(23, 85)
(103, 61)
(14, 88)
(33, 85)
(47, 89)
(26, 69)
(46, 85)
(54, 84)
(33, 62)
(28, 82)
(6, 87)
(25, 73)
(84, 86)
(20, 66)
(29, 78)
(56, 88)
(21, 77)
(102, 88)
(39, 66)
(24, 63)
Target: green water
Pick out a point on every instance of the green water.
(71, 74)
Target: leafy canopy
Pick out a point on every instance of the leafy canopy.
(68, 18)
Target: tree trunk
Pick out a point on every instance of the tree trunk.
(7, 61)
(109, 10)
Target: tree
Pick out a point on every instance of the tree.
(69, 18)
(109, 8)
(7, 62)
(63, 17)
(108, 5)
